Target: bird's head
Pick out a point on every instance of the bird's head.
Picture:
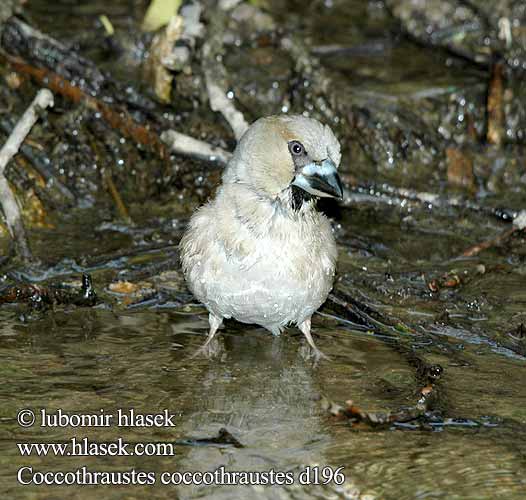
(285, 152)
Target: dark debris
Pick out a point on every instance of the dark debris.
(41, 297)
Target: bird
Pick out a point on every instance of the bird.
(260, 251)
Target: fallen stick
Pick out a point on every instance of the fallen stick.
(221, 103)
(118, 119)
(177, 142)
(494, 242)
(359, 193)
(495, 105)
(24, 42)
(194, 148)
(189, 146)
(37, 161)
(10, 207)
(392, 195)
(110, 185)
(117, 198)
(65, 73)
(216, 75)
(519, 224)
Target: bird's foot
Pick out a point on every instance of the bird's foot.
(313, 353)
(210, 349)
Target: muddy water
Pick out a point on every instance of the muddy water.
(261, 390)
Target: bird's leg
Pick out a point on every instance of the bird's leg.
(305, 329)
(210, 347)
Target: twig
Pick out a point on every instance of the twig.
(498, 240)
(119, 203)
(43, 99)
(418, 416)
(495, 106)
(393, 195)
(320, 91)
(38, 162)
(374, 47)
(215, 79)
(13, 218)
(223, 438)
(23, 42)
(118, 119)
(215, 75)
(220, 102)
(188, 146)
(110, 185)
(519, 223)
(65, 73)
(148, 270)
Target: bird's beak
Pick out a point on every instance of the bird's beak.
(320, 179)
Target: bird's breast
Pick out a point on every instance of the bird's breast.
(273, 278)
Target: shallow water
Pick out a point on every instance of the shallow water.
(261, 389)
(266, 395)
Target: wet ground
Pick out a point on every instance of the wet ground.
(401, 258)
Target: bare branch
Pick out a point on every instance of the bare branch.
(43, 99)
(216, 77)
(8, 202)
(221, 103)
(188, 146)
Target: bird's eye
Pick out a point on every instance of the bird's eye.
(296, 148)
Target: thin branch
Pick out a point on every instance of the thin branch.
(392, 195)
(495, 105)
(194, 148)
(519, 224)
(494, 242)
(220, 102)
(117, 198)
(34, 155)
(13, 219)
(117, 118)
(216, 75)
(10, 207)
(43, 99)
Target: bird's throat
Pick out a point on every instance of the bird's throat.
(298, 198)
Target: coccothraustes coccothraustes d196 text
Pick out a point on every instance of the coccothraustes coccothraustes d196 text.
(260, 252)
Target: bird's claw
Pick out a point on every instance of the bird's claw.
(314, 354)
(210, 350)
(317, 356)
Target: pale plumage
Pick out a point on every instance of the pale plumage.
(260, 252)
